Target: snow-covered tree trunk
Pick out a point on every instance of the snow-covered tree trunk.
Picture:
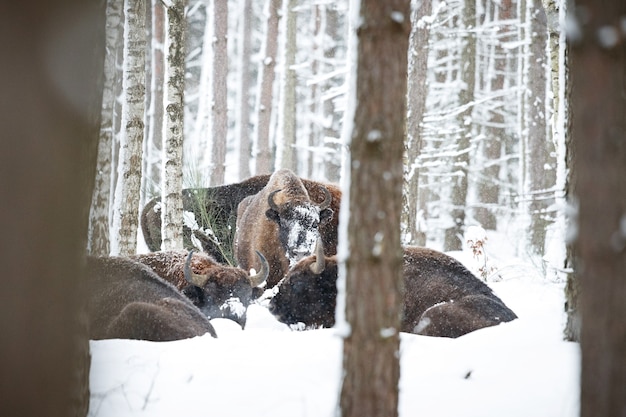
(126, 203)
(98, 241)
(598, 62)
(173, 128)
(266, 87)
(243, 92)
(417, 91)
(219, 119)
(540, 163)
(373, 281)
(287, 115)
(461, 161)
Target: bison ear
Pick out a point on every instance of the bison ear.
(326, 214)
(272, 215)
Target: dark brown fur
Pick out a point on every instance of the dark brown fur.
(129, 301)
(442, 297)
(222, 201)
(224, 283)
(257, 231)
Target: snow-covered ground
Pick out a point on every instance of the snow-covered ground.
(521, 368)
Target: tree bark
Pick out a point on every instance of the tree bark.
(599, 132)
(51, 78)
(245, 51)
(374, 264)
(172, 206)
(219, 125)
(264, 163)
(126, 204)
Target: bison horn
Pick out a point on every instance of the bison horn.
(327, 199)
(190, 276)
(318, 266)
(271, 202)
(258, 279)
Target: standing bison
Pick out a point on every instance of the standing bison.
(129, 301)
(215, 209)
(282, 221)
(442, 297)
(219, 291)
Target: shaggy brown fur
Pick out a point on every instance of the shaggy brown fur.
(287, 231)
(224, 283)
(127, 300)
(442, 297)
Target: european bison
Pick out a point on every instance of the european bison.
(215, 209)
(129, 301)
(282, 221)
(442, 297)
(219, 291)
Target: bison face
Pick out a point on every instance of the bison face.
(298, 225)
(307, 295)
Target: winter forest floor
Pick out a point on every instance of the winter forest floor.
(522, 368)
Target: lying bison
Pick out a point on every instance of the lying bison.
(282, 221)
(219, 291)
(129, 301)
(442, 297)
(215, 208)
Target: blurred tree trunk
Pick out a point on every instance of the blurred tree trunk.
(266, 87)
(51, 76)
(245, 53)
(219, 119)
(417, 90)
(453, 235)
(598, 60)
(374, 265)
(172, 207)
(540, 163)
(287, 114)
(126, 203)
(98, 241)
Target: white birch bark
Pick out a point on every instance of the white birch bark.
(172, 205)
(98, 240)
(219, 125)
(126, 210)
(243, 92)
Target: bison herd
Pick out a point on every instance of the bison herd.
(280, 232)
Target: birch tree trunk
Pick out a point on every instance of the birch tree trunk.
(417, 91)
(245, 50)
(461, 162)
(51, 81)
(126, 210)
(172, 203)
(287, 116)
(374, 265)
(219, 125)
(98, 240)
(265, 91)
(599, 133)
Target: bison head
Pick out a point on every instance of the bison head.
(226, 292)
(298, 221)
(308, 293)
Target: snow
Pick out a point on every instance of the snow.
(520, 368)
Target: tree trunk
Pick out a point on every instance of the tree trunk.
(126, 204)
(219, 125)
(453, 235)
(98, 241)
(374, 265)
(172, 207)
(599, 131)
(265, 91)
(288, 96)
(51, 78)
(245, 51)
(417, 90)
